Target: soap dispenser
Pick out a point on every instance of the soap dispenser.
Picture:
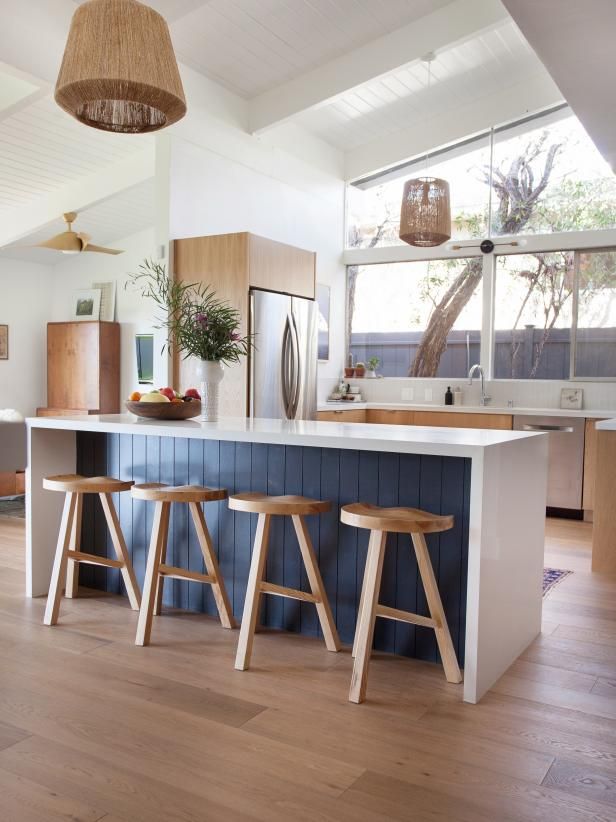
(448, 396)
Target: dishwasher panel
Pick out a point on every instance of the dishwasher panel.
(566, 456)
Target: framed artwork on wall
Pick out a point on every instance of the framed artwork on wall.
(86, 304)
(4, 342)
(323, 296)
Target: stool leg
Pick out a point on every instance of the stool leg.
(367, 616)
(211, 563)
(328, 626)
(72, 570)
(362, 600)
(157, 540)
(253, 594)
(160, 580)
(128, 574)
(58, 573)
(443, 637)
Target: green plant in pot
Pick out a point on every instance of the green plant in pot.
(360, 369)
(198, 325)
(373, 364)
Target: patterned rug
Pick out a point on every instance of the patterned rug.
(551, 577)
(13, 507)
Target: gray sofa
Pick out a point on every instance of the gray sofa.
(13, 454)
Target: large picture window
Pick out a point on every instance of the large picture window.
(400, 313)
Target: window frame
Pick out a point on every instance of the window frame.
(592, 240)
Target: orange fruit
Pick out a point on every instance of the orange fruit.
(135, 396)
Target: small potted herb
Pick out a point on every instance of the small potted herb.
(373, 364)
(360, 369)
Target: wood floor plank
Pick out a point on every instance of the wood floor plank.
(572, 778)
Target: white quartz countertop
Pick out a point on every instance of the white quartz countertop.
(606, 425)
(410, 439)
(345, 405)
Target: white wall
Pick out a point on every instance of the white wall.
(134, 313)
(211, 194)
(25, 293)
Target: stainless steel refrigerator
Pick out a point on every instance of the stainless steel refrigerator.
(283, 364)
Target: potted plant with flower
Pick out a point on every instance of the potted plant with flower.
(198, 325)
(360, 369)
(372, 365)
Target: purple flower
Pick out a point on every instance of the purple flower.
(202, 320)
(234, 336)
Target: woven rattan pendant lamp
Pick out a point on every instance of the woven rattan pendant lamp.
(425, 213)
(119, 71)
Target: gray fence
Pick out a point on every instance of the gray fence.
(515, 353)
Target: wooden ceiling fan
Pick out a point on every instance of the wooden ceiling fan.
(71, 242)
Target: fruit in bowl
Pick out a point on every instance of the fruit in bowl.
(164, 404)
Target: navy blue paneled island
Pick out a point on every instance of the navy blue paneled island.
(489, 566)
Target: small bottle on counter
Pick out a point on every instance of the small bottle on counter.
(457, 395)
(448, 396)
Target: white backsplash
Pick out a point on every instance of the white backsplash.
(523, 393)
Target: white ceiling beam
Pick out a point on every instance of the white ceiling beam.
(79, 194)
(575, 42)
(454, 23)
(531, 93)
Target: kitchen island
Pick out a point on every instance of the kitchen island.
(489, 566)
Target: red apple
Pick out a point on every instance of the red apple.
(168, 392)
(193, 394)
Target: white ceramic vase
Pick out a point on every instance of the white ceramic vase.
(210, 374)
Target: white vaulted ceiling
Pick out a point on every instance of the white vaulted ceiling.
(251, 46)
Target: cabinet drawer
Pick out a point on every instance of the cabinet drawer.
(342, 415)
(390, 416)
(451, 419)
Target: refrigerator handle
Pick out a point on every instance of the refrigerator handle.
(297, 375)
(287, 344)
(251, 359)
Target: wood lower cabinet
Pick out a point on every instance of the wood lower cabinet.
(590, 466)
(343, 415)
(454, 419)
(390, 416)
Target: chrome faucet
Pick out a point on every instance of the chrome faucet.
(485, 400)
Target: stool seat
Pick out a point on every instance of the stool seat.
(288, 505)
(159, 492)
(398, 520)
(77, 484)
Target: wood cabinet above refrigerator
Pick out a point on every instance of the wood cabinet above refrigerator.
(232, 264)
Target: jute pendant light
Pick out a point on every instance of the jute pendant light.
(119, 71)
(425, 213)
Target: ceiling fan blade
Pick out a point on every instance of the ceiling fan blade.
(67, 241)
(98, 249)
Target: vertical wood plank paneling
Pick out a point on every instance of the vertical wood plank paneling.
(347, 596)
(435, 483)
(180, 524)
(226, 517)
(328, 555)
(140, 532)
(274, 606)
(430, 491)
(113, 470)
(167, 475)
(241, 564)
(406, 567)
(211, 467)
(196, 591)
(293, 473)
(449, 581)
(89, 537)
(311, 487)
(385, 630)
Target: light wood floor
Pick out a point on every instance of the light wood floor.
(92, 727)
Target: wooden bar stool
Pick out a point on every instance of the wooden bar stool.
(69, 554)
(157, 570)
(296, 508)
(411, 521)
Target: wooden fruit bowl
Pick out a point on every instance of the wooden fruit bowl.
(165, 410)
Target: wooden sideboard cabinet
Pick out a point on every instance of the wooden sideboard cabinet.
(232, 264)
(83, 368)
